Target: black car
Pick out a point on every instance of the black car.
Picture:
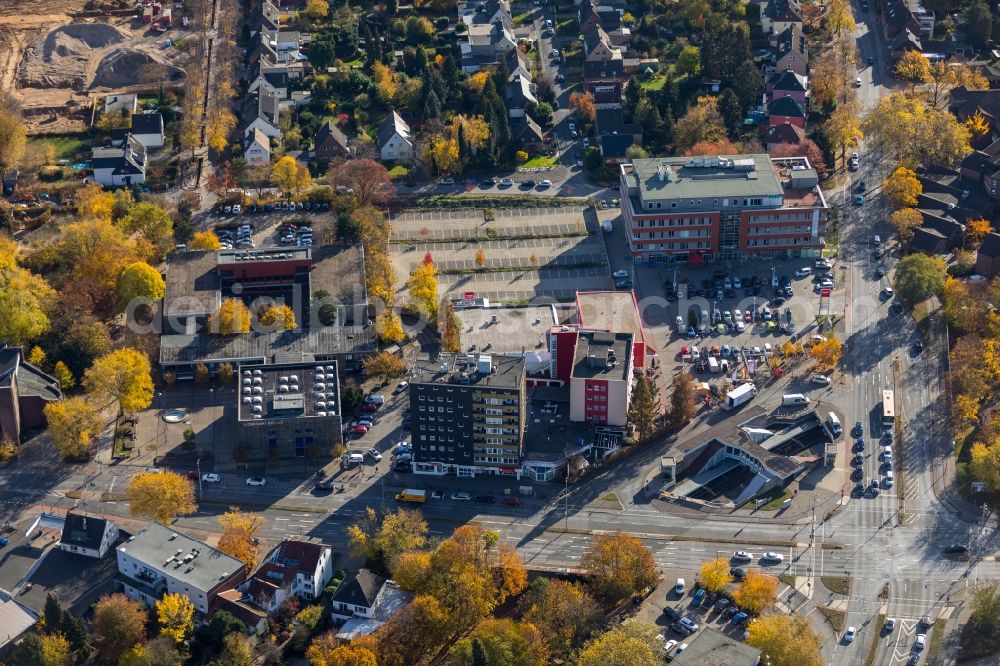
(709, 599)
(722, 604)
(778, 302)
(956, 549)
(879, 273)
(680, 629)
(623, 284)
(324, 487)
(858, 430)
(739, 573)
(403, 467)
(730, 611)
(672, 614)
(527, 184)
(861, 186)
(858, 446)
(485, 499)
(858, 460)
(896, 307)
(918, 346)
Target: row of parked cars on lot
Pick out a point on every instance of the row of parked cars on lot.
(295, 234)
(238, 209)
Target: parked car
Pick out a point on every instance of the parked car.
(374, 453)
(210, 477)
(358, 430)
(256, 481)
(510, 501)
(956, 549)
(461, 496)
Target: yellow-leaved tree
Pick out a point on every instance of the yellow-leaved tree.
(619, 565)
(238, 535)
(383, 366)
(122, 376)
(231, 317)
(118, 623)
(73, 423)
(787, 640)
(174, 614)
(328, 650)
(906, 221)
(204, 240)
(757, 592)
(139, 280)
(317, 9)
(389, 327)
(827, 354)
(632, 643)
(902, 188)
(160, 496)
(281, 316)
(714, 574)
(423, 289)
(290, 175)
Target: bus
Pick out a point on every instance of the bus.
(888, 408)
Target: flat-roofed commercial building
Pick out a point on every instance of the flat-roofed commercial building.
(699, 209)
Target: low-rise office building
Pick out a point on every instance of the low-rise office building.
(698, 209)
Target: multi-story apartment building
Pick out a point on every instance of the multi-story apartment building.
(698, 209)
(601, 384)
(468, 415)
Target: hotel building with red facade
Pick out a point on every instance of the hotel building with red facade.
(698, 209)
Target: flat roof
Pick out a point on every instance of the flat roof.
(287, 390)
(602, 354)
(192, 283)
(507, 371)
(705, 177)
(711, 647)
(610, 311)
(156, 542)
(15, 619)
(516, 329)
(264, 255)
(282, 346)
(550, 434)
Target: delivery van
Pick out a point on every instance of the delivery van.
(411, 495)
(790, 399)
(835, 426)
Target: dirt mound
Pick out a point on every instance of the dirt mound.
(77, 39)
(123, 67)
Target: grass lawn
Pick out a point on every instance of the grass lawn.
(521, 19)
(653, 84)
(398, 171)
(834, 617)
(67, 146)
(569, 27)
(775, 503)
(837, 585)
(541, 161)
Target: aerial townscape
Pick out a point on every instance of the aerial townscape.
(499, 333)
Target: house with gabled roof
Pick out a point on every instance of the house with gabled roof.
(24, 392)
(89, 536)
(394, 139)
(784, 133)
(786, 110)
(330, 142)
(291, 570)
(776, 16)
(363, 601)
(257, 149)
(121, 166)
(147, 128)
(988, 257)
(261, 110)
(273, 80)
(787, 84)
(792, 51)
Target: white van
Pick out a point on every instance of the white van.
(835, 424)
(887, 453)
(680, 325)
(794, 399)
(888, 479)
(695, 352)
(679, 587)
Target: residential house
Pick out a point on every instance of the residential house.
(257, 150)
(519, 94)
(147, 128)
(965, 103)
(238, 605)
(274, 80)
(786, 110)
(486, 13)
(527, 134)
(365, 600)
(89, 536)
(517, 65)
(485, 44)
(160, 560)
(904, 42)
(261, 111)
(330, 142)
(591, 14)
(394, 139)
(776, 16)
(598, 46)
(787, 84)
(988, 258)
(614, 135)
(24, 392)
(605, 79)
(120, 166)
(792, 52)
(267, 15)
(291, 570)
(784, 133)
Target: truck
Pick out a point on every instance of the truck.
(411, 495)
(713, 365)
(740, 396)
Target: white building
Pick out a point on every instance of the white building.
(148, 129)
(87, 535)
(395, 140)
(258, 148)
(293, 569)
(365, 600)
(123, 166)
(159, 560)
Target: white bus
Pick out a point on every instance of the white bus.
(888, 408)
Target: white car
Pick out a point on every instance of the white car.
(374, 453)
(802, 272)
(545, 183)
(821, 379)
(857, 81)
(824, 263)
(770, 556)
(743, 555)
(620, 274)
(256, 481)
(506, 181)
(210, 477)
(461, 496)
(850, 634)
(375, 399)
(671, 644)
(920, 642)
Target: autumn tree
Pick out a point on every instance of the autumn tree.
(714, 574)
(632, 643)
(175, 614)
(204, 240)
(327, 650)
(238, 533)
(383, 366)
(153, 224)
(73, 423)
(682, 404)
(25, 302)
(914, 68)
(422, 287)
(827, 354)
(230, 318)
(118, 624)
(583, 107)
(564, 612)
(620, 565)
(450, 327)
(55, 650)
(701, 123)
(978, 125)
(480, 258)
(756, 592)
(806, 148)
(497, 641)
(688, 61)
(902, 188)
(368, 181)
(984, 464)
(92, 202)
(839, 18)
(943, 77)
(787, 640)
(289, 175)
(915, 133)
(317, 9)
(919, 277)
(415, 633)
(386, 82)
(139, 281)
(975, 231)
(279, 316)
(843, 128)
(964, 305)
(220, 123)
(64, 376)
(160, 496)
(37, 357)
(13, 139)
(906, 221)
(122, 376)
(720, 147)
(389, 327)
(644, 408)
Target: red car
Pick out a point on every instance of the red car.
(511, 501)
(358, 430)
(369, 407)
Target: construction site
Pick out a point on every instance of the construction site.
(59, 57)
